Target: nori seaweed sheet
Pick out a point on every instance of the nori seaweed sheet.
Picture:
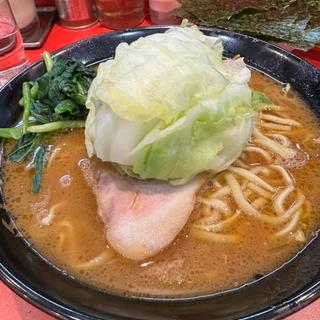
(216, 10)
(296, 22)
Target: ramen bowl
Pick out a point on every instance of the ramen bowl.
(279, 293)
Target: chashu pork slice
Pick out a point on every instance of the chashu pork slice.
(142, 217)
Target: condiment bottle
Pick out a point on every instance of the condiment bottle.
(25, 14)
(76, 14)
(160, 11)
(120, 14)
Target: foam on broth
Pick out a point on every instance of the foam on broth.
(188, 266)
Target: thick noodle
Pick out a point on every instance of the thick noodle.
(67, 241)
(265, 191)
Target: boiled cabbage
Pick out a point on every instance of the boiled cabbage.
(169, 107)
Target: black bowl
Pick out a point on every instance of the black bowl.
(275, 295)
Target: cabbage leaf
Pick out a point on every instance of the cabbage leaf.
(168, 106)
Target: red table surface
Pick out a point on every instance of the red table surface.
(13, 307)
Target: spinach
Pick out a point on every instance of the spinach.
(24, 147)
(11, 133)
(54, 101)
(42, 112)
(26, 93)
(67, 106)
(39, 159)
(58, 125)
(63, 88)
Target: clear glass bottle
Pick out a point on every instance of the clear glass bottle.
(76, 14)
(12, 54)
(120, 14)
(25, 14)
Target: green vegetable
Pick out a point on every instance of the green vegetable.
(52, 102)
(26, 94)
(11, 133)
(53, 126)
(24, 147)
(47, 60)
(39, 160)
(168, 107)
(17, 132)
(62, 92)
(35, 91)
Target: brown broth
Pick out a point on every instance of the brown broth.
(188, 266)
